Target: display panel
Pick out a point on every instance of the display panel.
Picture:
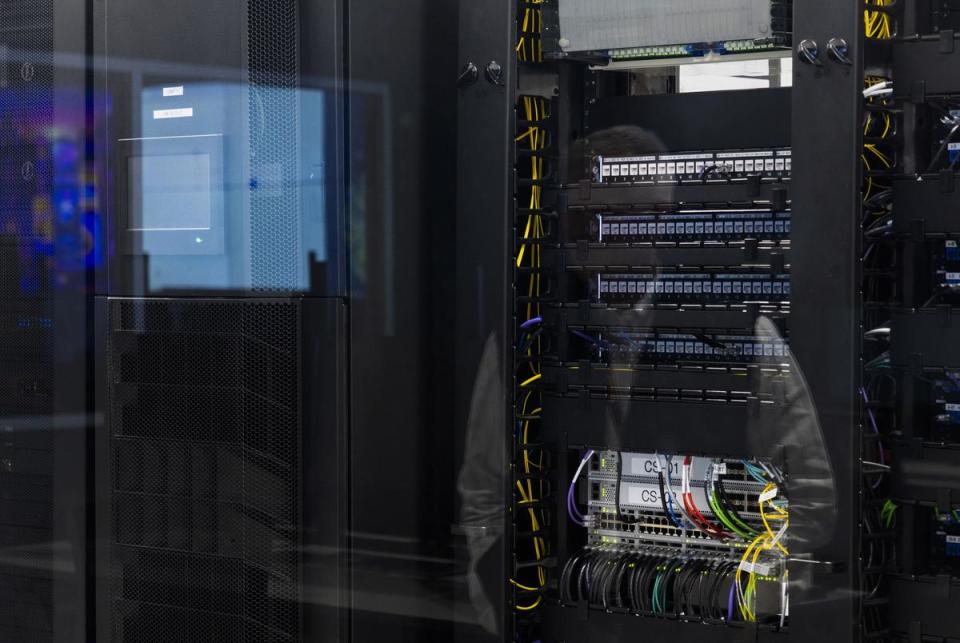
(171, 193)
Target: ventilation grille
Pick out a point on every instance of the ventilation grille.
(274, 137)
(203, 401)
(26, 219)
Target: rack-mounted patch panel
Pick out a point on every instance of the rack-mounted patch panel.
(769, 165)
(692, 287)
(666, 347)
(693, 225)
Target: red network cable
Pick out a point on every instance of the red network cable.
(691, 507)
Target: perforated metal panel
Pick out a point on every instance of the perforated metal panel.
(272, 61)
(203, 418)
(26, 195)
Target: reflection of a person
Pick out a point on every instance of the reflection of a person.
(482, 513)
(795, 428)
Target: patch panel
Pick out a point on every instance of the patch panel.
(671, 347)
(734, 225)
(714, 288)
(696, 50)
(694, 166)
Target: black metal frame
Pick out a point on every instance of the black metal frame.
(825, 317)
(823, 259)
(484, 239)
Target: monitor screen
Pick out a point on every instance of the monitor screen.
(170, 192)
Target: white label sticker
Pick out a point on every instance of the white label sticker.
(172, 91)
(769, 494)
(764, 569)
(642, 495)
(186, 112)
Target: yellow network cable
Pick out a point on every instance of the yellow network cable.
(779, 514)
(525, 608)
(877, 23)
(884, 159)
(530, 257)
(872, 152)
(539, 545)
(525, 588)
(530, 380)
(531, 29)
(765, 542)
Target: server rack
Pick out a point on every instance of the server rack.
(532, 211)
(220, 324)
(911, 407)
(43, 300)
(549, 102)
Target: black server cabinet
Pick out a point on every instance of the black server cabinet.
(826, 305)
(804, 419)
(218, 469)
(220, 326)
(920, 429)
(42, 324)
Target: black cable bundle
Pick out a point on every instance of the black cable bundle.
(727, 504)
(652, 583)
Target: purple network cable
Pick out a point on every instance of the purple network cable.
(572, 510)
(733, 587)
(531, 323)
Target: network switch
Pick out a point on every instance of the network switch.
(634, 503)
(639, 483)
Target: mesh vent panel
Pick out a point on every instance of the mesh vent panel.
(26, 219)
(274, 135)
(203, 417)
